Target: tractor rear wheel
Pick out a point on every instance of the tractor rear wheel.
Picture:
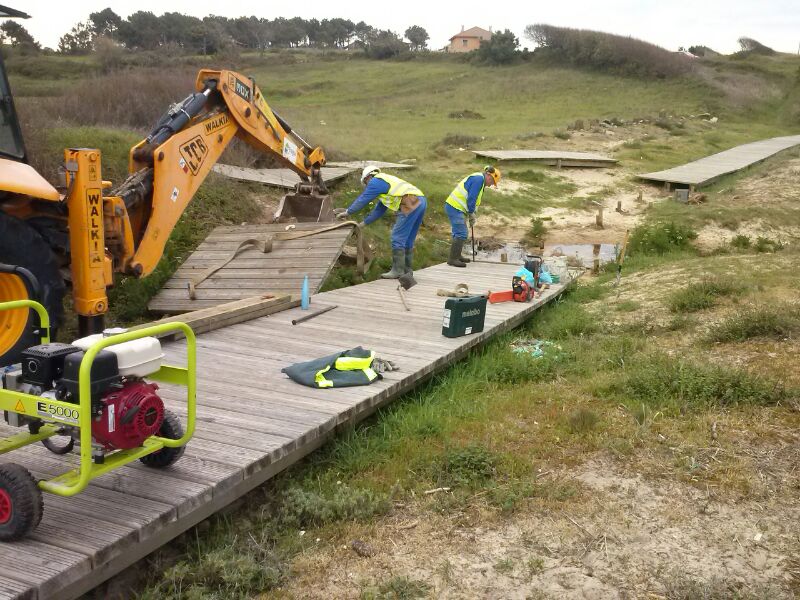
(21, 504)
(21, 245)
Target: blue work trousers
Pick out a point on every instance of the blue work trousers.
(458, 222)
(406, 226)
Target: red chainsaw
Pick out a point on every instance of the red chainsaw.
(521, 289)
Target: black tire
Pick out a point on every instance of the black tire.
(21, 504)
(21, 245)
(171, 429)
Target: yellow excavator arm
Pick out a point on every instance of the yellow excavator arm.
(126, 230)
(189, 140)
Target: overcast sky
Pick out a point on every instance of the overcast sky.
(669, 23)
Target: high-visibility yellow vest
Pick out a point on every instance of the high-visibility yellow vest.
(397, 189)
(348, 363)
(458, 197)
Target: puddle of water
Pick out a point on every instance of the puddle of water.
(583, 252)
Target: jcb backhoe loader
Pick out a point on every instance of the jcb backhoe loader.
(97, 231)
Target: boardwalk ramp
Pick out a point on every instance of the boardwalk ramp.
(252, 272)
(704, 171)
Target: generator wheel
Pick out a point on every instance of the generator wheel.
(21, 245)
(21, 504)
(171, 429)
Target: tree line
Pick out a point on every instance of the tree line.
(143, 30)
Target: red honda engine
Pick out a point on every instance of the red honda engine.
(129, 416)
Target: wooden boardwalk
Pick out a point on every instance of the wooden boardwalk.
(555, 158)
(282, 178)
(252, 272)
(702, 172)
(252, 422)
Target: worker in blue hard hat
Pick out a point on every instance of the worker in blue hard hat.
(461, 205)
(399, 196)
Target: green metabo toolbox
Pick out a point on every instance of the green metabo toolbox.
(463, 316)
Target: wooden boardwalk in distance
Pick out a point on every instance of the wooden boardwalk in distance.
(553, 158)
(252, 422)
(704, 171)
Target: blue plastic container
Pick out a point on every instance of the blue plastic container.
(304, 299)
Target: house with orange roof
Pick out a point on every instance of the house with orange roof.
(469, 40)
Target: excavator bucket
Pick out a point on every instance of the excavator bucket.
(305, 208)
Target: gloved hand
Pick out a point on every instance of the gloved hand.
(472, 219)
(381, 365)
(341, 213)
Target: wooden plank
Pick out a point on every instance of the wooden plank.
(706, 170)
(43, 567)
(222, 315)
(282, 178)
(15, 590)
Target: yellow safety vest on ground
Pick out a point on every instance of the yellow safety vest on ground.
(397, 189)
(458, 197)
(358, 366)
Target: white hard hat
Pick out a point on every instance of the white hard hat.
(369, 170)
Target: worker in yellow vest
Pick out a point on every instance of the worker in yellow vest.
(461, 205)
(401, 197)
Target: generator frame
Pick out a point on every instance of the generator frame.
(57, 414)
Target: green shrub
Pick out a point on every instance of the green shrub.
(535, 235)
(741, 242)
(458, 140)
(702, 294)
(582, 420)
(774, 322)
(628, 306)
(660, 238)
(606, 52)
(302, 507)
(677, 385)
(764, 244)
(529, 176)
(466, 466)
(571, 321)
(399, 588)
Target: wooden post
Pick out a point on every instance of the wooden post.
(640, 199)
(504, 257)
(619, 206)
(596, 253)
(599, 218)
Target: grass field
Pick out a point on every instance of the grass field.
(682, 379)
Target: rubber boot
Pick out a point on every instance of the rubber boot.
(455, 253)
(398, 264)
(410, 260)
